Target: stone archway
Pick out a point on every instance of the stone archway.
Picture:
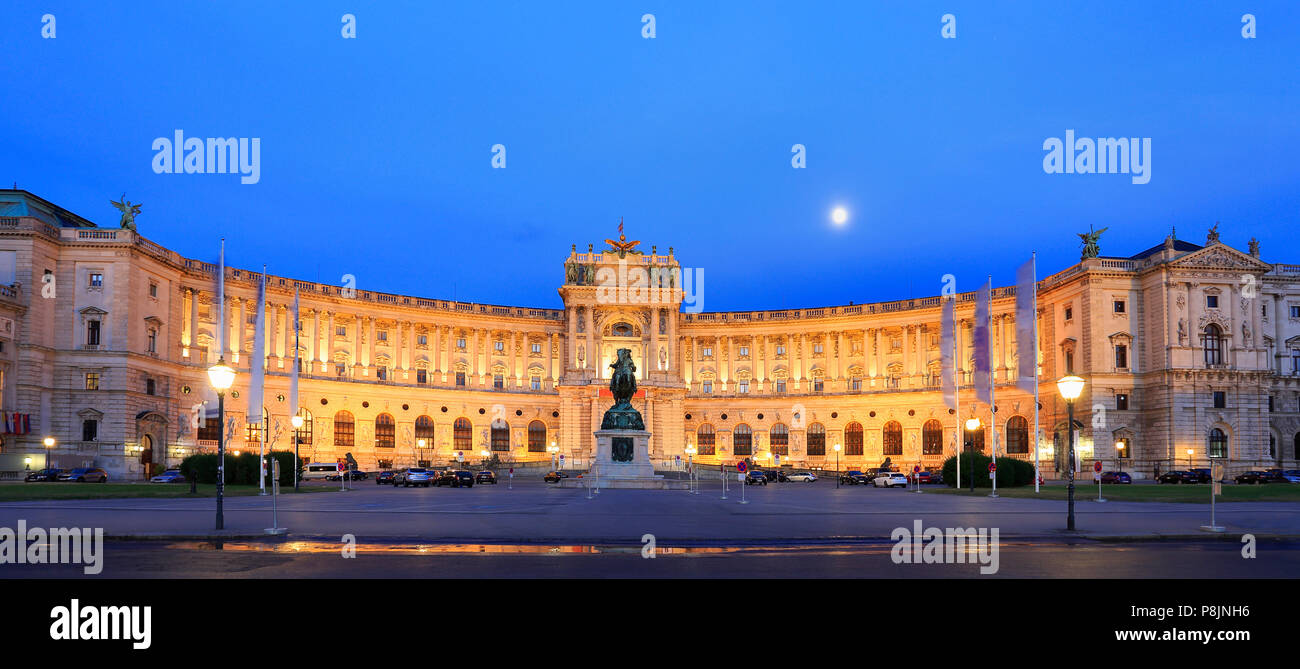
(151, 437)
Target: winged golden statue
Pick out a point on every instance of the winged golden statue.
(128, 210)
(622, 247)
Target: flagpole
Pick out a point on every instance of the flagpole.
(1037, 432)
(993, 417)
(259, 353)
(956, 365)
(293, 390)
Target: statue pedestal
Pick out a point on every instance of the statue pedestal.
(606, 467)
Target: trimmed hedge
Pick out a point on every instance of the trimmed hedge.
(1012, 472)
(240, 470)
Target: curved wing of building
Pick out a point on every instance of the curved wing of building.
(1190, 352)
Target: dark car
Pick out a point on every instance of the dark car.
(1202, 474)
(936, 478)
(854, 477)
(44, 475)
(776, 476)
(458, 478)
(485, 476)
(1174, 476)
(384, 477)
(85, 474)
(756, 477)
(554, 477)
(1252, 478)
(1274, 476)
(1116, 477)
(351, 476)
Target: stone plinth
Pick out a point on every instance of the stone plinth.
(637, 472)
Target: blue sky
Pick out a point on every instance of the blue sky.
(376, 151)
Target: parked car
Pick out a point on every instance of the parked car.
(459, 479)
(1116, 477)
(923, 477)
(854, 477)
(890, 480)
(1202, 475)
(804, 477)
(357, 475)
(756, 477)
(776, 476)
(413, 476)
(169, 476)
(1274, 476)
(486, 476)
(384, 477)
(44, 475)
(936, 478)
(1251, 478)
(85, 474)
(319, 470)
(1174, 476)
(1291, 475)
(554, 477)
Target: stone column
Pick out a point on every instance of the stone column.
(592, 358)
(550, 358)
(194, 321)
(1279, 334)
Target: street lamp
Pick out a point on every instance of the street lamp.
(553, 449)
(1070, 388)
(1189, 458)
(1119, 448)
(419, 446)
(972, 424)
(837, 465)
(297, 422)
(221, 376)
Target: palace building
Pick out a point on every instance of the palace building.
(1190, 352)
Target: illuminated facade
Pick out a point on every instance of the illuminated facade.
(1183, 346)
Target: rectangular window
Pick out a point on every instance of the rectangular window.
(537, 349)
(460, 378)
(1069, 313)
(1121, 402)
(153, 290)
(89, 430)
(780, 350)
(460, 343)
(744, 350)
(817, 385)
(92, 333)
(743, 387)
(499, 346)
(382, 335)
(707, 386)
(421, 376)
(340, 369)
(1069, 362)
(1212, 301)
(535, 382)
(1121, 357)
(1295, 312)
(96, 280)
(498, 381)
(92, 380)
(1270, 404)
(381, 373)
(1119, 306)
(1126, 452)
(707, 352)
(422, 340)
(780, 385)
(817, 348)
(153, 341)
(856, 384)
(1220, 399)
(150, 386)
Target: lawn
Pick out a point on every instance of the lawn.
(1196, 494)
(20, 492)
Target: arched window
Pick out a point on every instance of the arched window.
(780, 439)
(1212, 342)
(537, 437)
(500, 435)
(385, 431)
(816, 439)
(743, 440)
(345, 430)
(303, 434)
(704, 440)
(253, 431)
(973, 440)
(853, 439)
(932, 437)
(462, 434)
(1272, 447)
(893, 438)
(1218, 446)
(1017, 435)
(424, 430)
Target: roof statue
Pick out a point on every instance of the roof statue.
(128, 210)
(1090, 248)
(622, 246)
(1212, 237)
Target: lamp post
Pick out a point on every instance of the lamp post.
(419, 447)
(1189, 458)
(690, 470)
(1070, 388)
(296, 421)
(49, 446)
(837, 465)
(1119, 448)
(553, 449)
(221, 376)
(972, 424)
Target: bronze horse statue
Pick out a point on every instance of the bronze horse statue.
(622, 383)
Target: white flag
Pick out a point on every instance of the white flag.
(983, 326)
(1026, 333)
(949, 370)
(257, 363)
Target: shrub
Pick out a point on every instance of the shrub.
(1011, 472)
(240, 470)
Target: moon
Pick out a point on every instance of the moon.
(840, 215)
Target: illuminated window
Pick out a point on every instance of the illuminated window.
(385, 431)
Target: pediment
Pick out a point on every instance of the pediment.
(1221, 256)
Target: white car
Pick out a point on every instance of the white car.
(802, 476)
(890, 480)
